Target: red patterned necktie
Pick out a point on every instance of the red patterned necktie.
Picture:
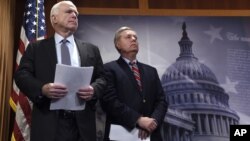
(136, 72)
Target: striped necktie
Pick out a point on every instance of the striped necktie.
(136, 72)
(65, 52)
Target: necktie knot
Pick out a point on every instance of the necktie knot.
(132, 63)
(64, 41)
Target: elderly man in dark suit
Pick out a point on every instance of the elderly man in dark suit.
(36, 73)
(134, 97)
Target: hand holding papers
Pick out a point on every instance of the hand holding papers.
(73, 78)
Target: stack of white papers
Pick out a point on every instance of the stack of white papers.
(73, 78)
(119, 133)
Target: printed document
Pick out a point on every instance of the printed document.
(119, 133)
(73, 78)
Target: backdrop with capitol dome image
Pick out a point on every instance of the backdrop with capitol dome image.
(203, 64)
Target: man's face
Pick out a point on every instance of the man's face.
(127, 43)
(66, 18)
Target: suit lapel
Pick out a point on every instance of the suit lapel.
(50, 48)
(83, 53)
(128, 71)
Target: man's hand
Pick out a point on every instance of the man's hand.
(86, 93)
(143, 134)
(149, 124)
(54, 91)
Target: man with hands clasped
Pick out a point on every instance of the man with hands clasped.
(134, 97)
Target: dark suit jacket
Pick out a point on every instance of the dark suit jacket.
(37, 67)
(123, 101)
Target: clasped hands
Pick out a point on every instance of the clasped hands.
(147, 126)
(57, 91)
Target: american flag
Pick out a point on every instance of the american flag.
(33, 29)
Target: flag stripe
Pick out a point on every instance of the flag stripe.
(25, 106)
(17, 134)
(22, 124)
(23, 38)
(21, 48)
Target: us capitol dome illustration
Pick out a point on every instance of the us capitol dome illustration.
(198, 105)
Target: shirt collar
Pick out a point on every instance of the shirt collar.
(59, 38)
(128, 61)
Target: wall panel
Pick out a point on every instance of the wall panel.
(200, 4)
(107, 3)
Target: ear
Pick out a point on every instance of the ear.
(118, 45)
(54, 19)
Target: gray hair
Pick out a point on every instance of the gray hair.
(54, 10)
(118, 34)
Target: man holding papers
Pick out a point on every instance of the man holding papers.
(36, 74)
(134, 98)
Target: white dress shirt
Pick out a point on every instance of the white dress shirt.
(73, 51)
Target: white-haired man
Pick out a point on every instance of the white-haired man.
(35, 78)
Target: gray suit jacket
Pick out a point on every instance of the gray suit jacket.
(37, 67)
